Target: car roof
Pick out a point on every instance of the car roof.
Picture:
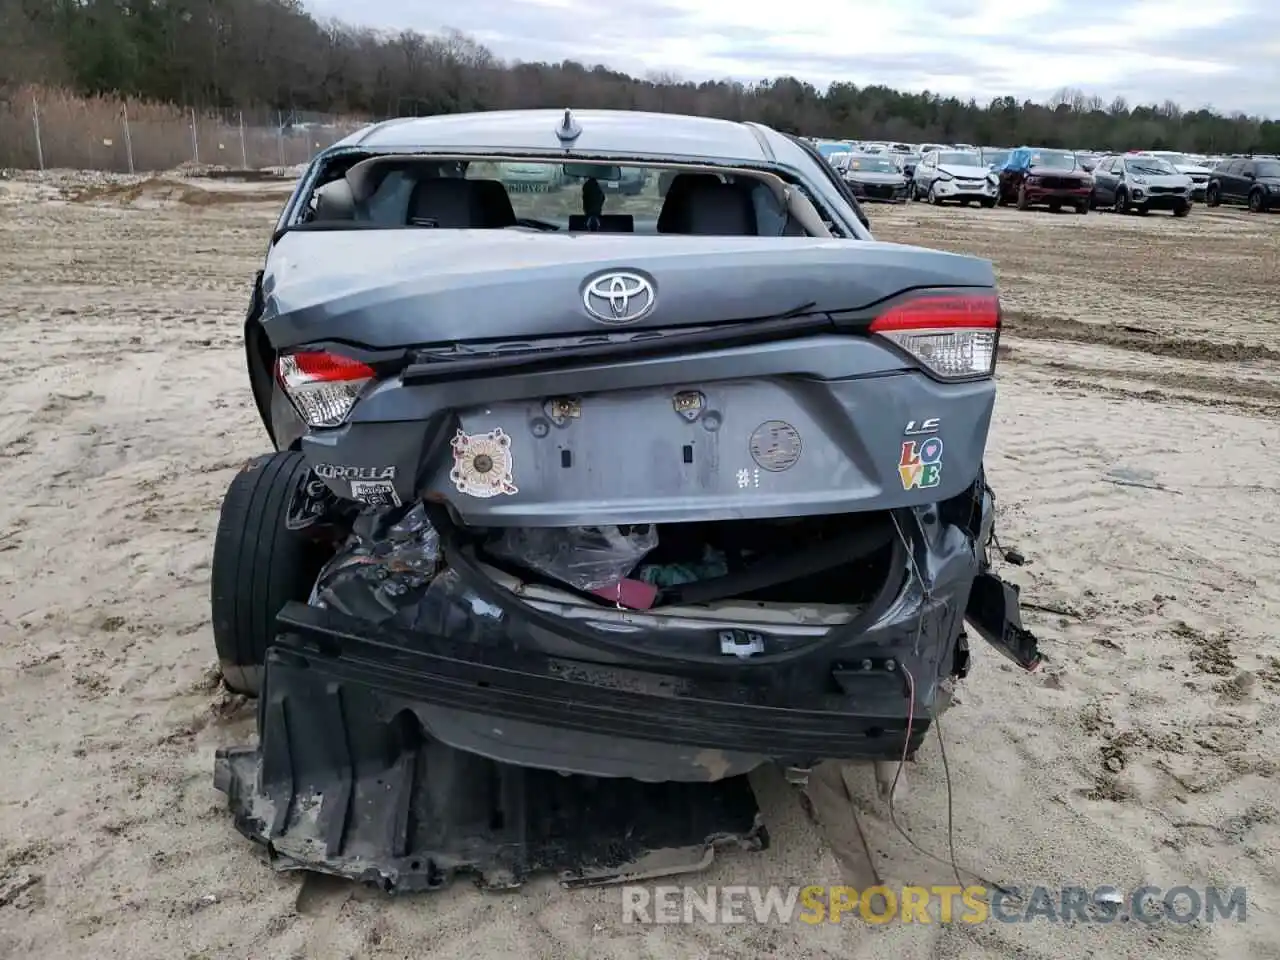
(621, 132)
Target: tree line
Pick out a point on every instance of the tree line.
(273, 53)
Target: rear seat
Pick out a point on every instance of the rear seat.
(708, 207)
(460, 204)
(675, 196)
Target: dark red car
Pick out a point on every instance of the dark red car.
(1036, 176)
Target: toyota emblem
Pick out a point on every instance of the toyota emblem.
(618, 297)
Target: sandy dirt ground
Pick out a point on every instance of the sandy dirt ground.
(1136, 471)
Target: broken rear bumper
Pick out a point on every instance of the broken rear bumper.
(348, 779)
(656, 721)
(530, 708)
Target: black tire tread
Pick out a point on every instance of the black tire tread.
(259, 565)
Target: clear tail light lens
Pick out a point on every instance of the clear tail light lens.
(322, 386)
(953, 336)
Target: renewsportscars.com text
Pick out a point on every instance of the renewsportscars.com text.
(933, 904)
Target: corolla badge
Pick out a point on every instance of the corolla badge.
(618, 297)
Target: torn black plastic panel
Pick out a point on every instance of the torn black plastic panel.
(346, 784)
(994, 612)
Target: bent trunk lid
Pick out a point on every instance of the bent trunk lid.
(402, 287)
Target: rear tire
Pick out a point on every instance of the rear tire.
(259, 565)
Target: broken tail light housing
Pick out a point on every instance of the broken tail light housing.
(322, 386)
(952, 335)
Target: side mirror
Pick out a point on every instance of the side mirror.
(1250, 175)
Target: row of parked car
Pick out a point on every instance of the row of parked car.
(1027, 177)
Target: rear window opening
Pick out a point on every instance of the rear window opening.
(839, 561)
(536, 194)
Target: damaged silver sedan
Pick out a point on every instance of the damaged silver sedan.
(577, 492)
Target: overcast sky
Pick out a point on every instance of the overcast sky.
(1224, 53)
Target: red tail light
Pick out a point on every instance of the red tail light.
(319, 366)
(953, 335)
(322, 386)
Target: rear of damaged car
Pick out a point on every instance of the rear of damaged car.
(664, 503)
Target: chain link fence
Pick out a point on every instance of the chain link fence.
(43, 130)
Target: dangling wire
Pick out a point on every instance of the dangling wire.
(953, 860)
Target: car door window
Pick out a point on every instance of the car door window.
(1248, 170)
